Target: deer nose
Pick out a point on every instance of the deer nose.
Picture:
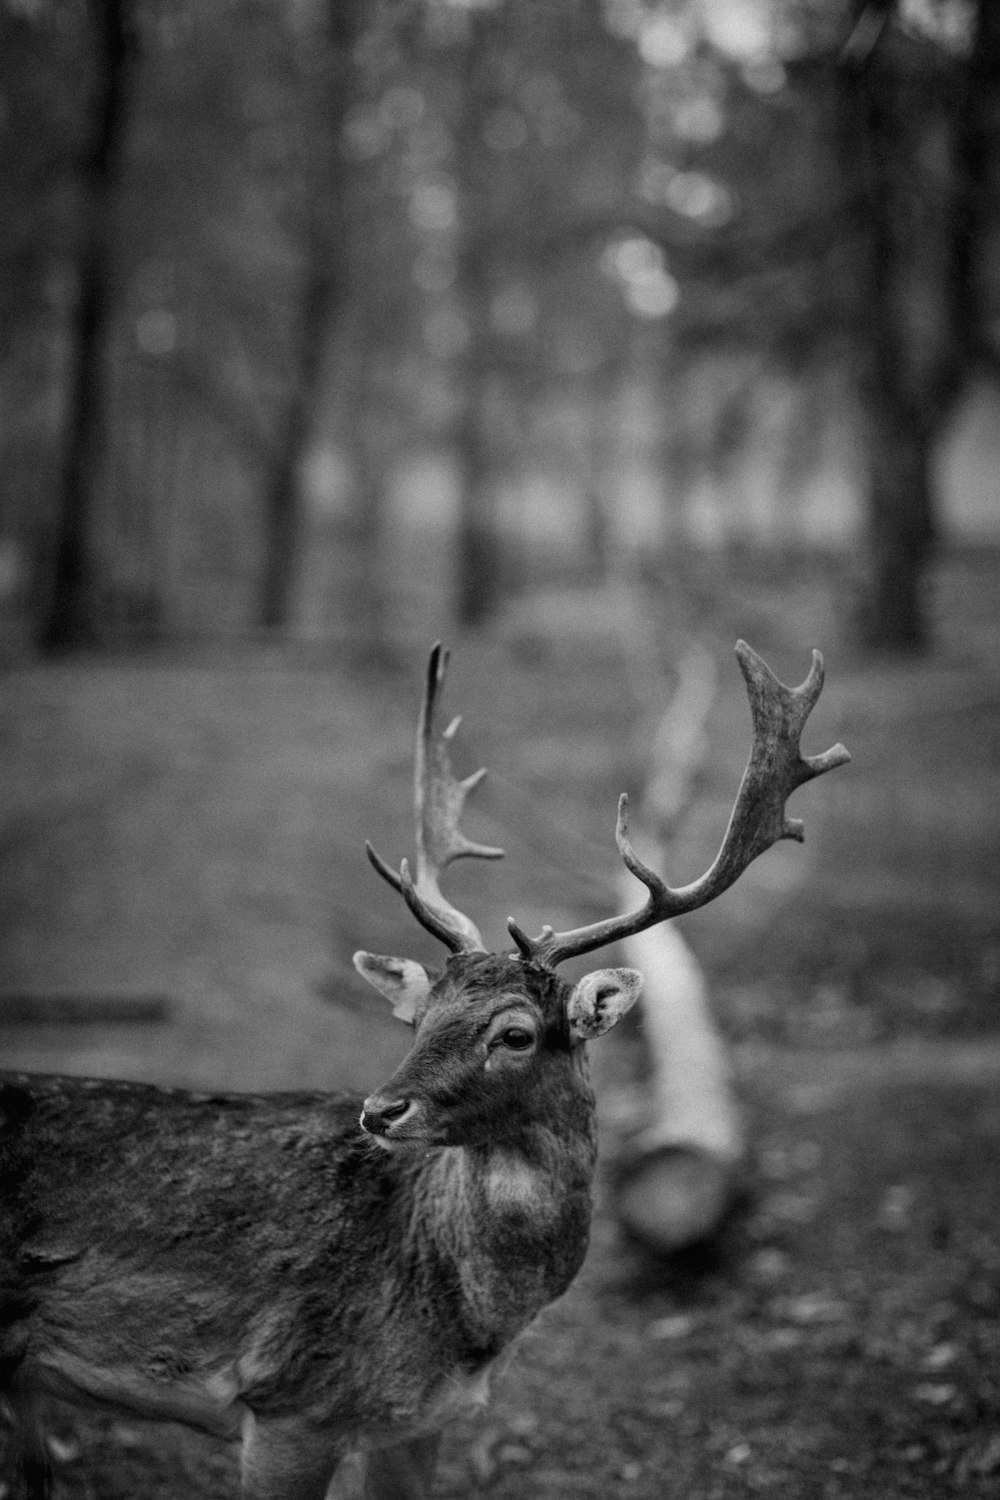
(379, 1115)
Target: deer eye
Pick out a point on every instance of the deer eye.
(517, 1038)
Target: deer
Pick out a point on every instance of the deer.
(313, 1275)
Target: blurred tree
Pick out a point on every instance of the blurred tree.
(328, 37)
(375, 385)
(479, 66)
(822, 182)
(39, 65)
(71, 618)
(921, 117)
(202, 347)
(527, 211)
(537, 107)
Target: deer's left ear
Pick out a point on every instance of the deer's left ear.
(600, 1000)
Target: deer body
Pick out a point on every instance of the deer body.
(277, 1270)
(259, 1267)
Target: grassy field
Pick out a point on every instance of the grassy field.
(196, 824)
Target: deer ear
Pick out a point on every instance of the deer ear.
(600, 1000)
(402, 981)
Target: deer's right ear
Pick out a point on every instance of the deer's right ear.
(402, 981)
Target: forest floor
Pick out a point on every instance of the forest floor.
(193, 823)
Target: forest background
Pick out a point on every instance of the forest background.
(289, 288)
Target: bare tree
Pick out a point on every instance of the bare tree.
(478, 580)
(71, 617)
(326, 80)
(920, 132)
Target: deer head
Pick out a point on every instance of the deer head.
(492, 1030)
(497, 1034)
(493, 1035)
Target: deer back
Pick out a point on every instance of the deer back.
(167, 1250)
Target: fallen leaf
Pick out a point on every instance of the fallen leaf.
(934, 1393)
(768, 1264)
(514, 1453)
(676, 1327)
(896, 1209)
(815, 1307)
(988, 1460)
(63, 1450)
(940, 1357)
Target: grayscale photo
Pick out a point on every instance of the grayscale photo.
(499, 749)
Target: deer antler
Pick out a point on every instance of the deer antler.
(758, 820)
(438, 802)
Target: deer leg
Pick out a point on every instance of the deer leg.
(404, 1471)
(287, 1460)
(32, 1469)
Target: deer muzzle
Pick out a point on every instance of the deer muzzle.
(383, 1116)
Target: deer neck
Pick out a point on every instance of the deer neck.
(512, 1217)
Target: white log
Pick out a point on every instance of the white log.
(679, 1175)
(678, 1182)
(691, 1097)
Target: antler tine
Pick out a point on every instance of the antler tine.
(758, 820)
(439, 798)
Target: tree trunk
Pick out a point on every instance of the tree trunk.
(328, 81)
(478, 553)
(977, 225)
(918, 127)
(71, 618)
(366, 597)
(900, 528)
(283, 501)
(896, 421)
(479, 581)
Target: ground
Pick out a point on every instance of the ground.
(194, 826)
